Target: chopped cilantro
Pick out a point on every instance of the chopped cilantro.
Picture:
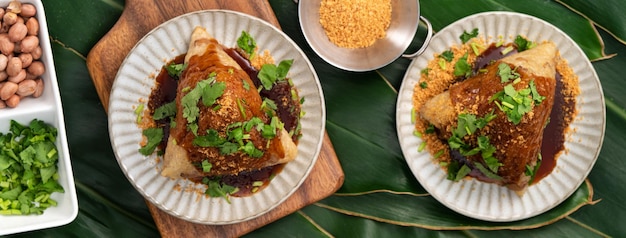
(425, 71)
(430, 129)
(475, 48)
(246, 85)
(240, 105)
(513, 103)
(486, 171)
(507, 50)
(532, 171)
(442, 64)
(506, 73)
(28, 168)
(206, 166)
(270, 74)
(246, 43)
(139, 112)
(523, 44)
(237, 138)
(154, 136)
(465, 37)
(164, 111)
(217, 189)
(447, 55)
(462, 67)
(175, 70)
(456, 171)
(536, 96)
(424, 84)
(251, 150)
(468, 124)
(208, 90)
(211, 139)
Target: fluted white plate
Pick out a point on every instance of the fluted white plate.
(133, 85)
(488, 201)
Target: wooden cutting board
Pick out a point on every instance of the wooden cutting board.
(105, 58)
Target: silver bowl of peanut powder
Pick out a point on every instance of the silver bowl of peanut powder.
(361, 35)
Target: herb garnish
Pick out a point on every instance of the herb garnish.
(462, 67)
(532, 171)
(139, 113)
(447, 55)
(208, 90)
(246, 43)
(523, 44)
(237, 137)
(270, 73)
(465, 37)
(206, 166)
(28, 168)
(506, 73)
(175, 70)
(164, 111)
(217, 189)
(468, 124)
(154, 136)
(516, 103)
(456, 172)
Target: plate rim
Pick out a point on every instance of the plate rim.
(400, 114)
(309, 69)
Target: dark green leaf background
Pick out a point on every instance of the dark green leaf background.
(380, 197)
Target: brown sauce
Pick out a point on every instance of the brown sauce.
(165, 92)
(554, 132)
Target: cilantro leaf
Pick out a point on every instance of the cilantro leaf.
(465, 37)
(211, 139)
(523, 44)
(217, 189)
(154, 135)
(506, 73)
(447, 55)
(206, 166)
(164, 111)
(456, 171)
(462, 67)
(208, 90)
(486, 171)
(270, 74)
(246, 43)
(175, 70)
(536, 96)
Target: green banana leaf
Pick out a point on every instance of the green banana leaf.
(380, 197)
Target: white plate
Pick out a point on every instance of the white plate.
(135, 80)
(488, 201)
(49, 109)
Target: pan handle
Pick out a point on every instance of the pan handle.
(429, 35)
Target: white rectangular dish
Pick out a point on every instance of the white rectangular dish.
(47, 108)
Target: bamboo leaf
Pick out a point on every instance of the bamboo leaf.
(608, 15)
